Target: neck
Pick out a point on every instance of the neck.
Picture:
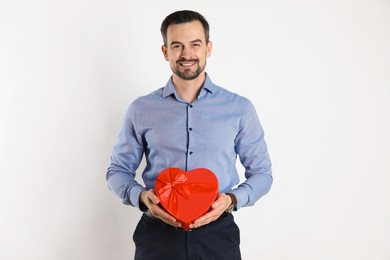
(188, 90)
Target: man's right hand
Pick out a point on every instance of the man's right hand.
(151, 201)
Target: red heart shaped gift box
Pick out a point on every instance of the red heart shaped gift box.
(186, 195)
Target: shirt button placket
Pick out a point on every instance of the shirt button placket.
(189, 129)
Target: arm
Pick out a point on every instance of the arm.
(253, 153)
(125, 159)
(252, 150)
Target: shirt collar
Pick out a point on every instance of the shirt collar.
(169, 88)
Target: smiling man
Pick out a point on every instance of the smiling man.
(189, 123)
(186, 49)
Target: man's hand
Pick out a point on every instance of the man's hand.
(151, 201)
(219, 206)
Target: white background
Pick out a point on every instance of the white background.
(318, 73)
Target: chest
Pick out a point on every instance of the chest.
(177, 125)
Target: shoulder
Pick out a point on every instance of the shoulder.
(232, 98)
(143, 103)
(146, 100)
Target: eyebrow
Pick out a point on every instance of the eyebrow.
(194, 41)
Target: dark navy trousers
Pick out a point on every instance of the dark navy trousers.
(156, 240)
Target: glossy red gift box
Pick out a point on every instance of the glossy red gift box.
(186, 195)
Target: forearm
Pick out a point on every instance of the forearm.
(123, 185)
(256, 186)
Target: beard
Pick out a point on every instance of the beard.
(187, 74)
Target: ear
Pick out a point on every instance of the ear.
(165, 52)
(209, 48)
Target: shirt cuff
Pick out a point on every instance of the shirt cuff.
(241, 196)
(135, 193)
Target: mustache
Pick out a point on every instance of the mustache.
(185, 60)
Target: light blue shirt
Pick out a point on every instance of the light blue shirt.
(208, 133)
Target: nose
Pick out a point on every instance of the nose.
(186, 53)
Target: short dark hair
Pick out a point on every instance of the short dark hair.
(184, 16)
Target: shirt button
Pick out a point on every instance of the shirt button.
(190, 128)
(190, 105)
(190, 152)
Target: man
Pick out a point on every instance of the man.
(189, 123)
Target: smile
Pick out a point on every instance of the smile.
(187, 63)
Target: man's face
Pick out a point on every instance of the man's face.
(186, 49)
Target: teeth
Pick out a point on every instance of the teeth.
(187, 64)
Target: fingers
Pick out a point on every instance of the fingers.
(153, 198)
(160, 213)
(207, 218)
(223, 201)
(217, 208)
(150, 199)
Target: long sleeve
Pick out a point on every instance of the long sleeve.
(253, 153)
(125, 159)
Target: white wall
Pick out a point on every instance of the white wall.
(318, 72)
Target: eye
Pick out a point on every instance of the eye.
(176, 46)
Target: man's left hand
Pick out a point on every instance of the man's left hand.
(219, 206)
